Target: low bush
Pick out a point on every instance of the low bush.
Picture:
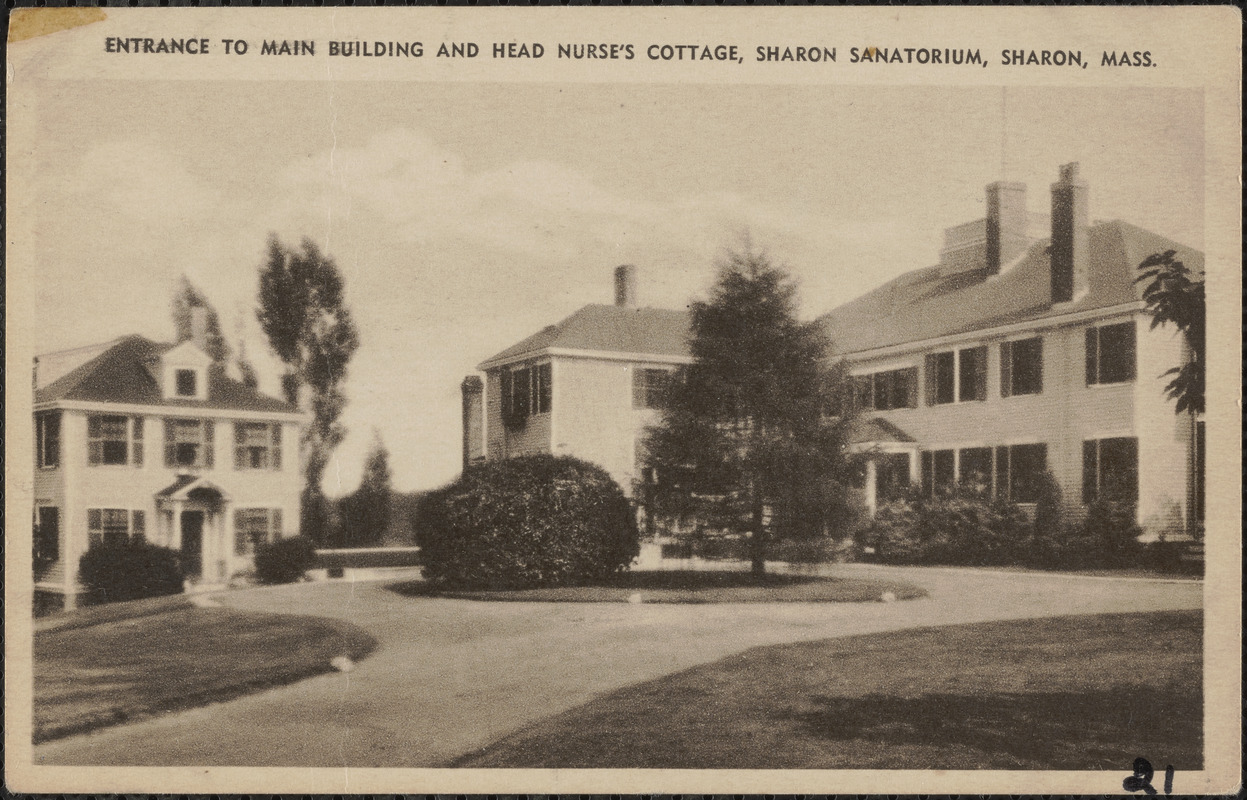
(129, 570)
(526, 522)
(950, 528)
(285, 560)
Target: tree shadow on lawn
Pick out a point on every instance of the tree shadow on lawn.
(686, 586)
(1070, 730)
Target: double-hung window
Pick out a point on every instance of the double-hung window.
(525, 391)
(1110, 469)
(649, 386)
(1111, 353)
(1021, 367)
(257, 445)
(883, 391)
(938, 471)
(255, 526)
(956, 376)
(114, 440)
(113, 526)
(1020, 472)
(48, 440)
(188, 443)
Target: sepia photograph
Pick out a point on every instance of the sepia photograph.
(658, 431)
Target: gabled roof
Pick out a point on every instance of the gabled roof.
(928, 303)
(876, 430)
(121, 374)
(612, 329)
(187, 485)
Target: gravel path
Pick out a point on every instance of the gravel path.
(451, 676)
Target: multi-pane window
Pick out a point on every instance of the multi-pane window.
(111, 526)
(882, 391)
(48, 439)
(185, 383)
(649, 386)
(1111, 353)
(1020, 470)
(525, 391)
(891, 475)
(48, 534)
(114, 440)
(255, 526)
(956, 376)
(1021, 367)
(974, 469)
(938, 470)
(257, 445)
(188, 443)
(1110, 470)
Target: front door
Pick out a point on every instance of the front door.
(192, 543)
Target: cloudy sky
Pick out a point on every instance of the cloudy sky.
(465, 217)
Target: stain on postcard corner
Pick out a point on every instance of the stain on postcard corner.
(29, 23)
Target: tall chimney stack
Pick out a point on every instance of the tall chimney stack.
(625, 286)
(1006, 224)
(199, 327)
(1071, 237)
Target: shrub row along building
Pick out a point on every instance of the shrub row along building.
(1026, 349)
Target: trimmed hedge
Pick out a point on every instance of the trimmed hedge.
(130, 570)
(526, 522)
(285, 560)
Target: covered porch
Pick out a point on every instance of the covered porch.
(193, 517)
(891, 460)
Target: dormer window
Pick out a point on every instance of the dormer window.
(186, 383)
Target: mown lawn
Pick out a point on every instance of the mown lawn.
(127, 667)
(1067, 693)
(695, 586)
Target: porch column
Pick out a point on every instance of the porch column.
(176, 542)
(227, 539)
(914, 477)
(872, 475)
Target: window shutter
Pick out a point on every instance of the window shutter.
(275, 532)
(928, 472)
(138, 525)
(209, 431)
(545, 372)
(911, 387)
(277, 446)
(170, 443)
(1002, 473)
(240, 534)
(1128, 353)
(980, 373)
(1006, 369)
(1093, 361)
(932, 378)
(1090, 471)
(504, 376)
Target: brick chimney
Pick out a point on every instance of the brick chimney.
(199, 327)
(1006, 224)
(1071, 237)
(472, 389)
(625, 286)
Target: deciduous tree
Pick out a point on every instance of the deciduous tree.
(302, 311)
(1175, 296)
(365, 513)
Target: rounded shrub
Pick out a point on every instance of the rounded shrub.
(523, 522)
(130, 570)
(285, 560)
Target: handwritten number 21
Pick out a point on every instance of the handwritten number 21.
(1141, 780)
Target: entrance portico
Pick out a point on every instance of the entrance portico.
(891, 460)
(194, 520)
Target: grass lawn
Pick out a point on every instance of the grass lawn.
(694, 586)
(123, 668)
(1068, 693)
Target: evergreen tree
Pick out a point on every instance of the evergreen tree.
(365, 513)
(753, 436)
(303, 313)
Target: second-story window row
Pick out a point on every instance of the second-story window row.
(257, 445)
(1111, 353)
(114, 440)
(956, 376)
(189, 443)
(883, 391)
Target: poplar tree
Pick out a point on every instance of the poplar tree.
(302, 311)
(186, 298)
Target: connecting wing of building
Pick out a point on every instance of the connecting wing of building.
(137, 438)
(1026, 349)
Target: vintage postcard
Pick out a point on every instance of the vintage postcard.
(677, 400)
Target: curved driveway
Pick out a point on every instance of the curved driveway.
(451, 676)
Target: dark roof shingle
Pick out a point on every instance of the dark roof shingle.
(120, 375)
